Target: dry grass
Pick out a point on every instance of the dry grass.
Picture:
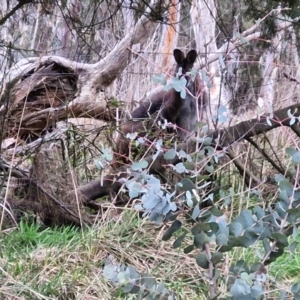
(68, 263)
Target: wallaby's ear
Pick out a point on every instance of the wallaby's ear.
(191, 56)
(178, 55)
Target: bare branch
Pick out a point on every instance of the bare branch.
(266, 156)
(115, 62)
(291, 78)
(18, 6)
(73, 110)
(255, 126)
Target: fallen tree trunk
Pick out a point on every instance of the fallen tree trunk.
(222, 140)
(69, 204)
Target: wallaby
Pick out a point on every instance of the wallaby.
(169, 105)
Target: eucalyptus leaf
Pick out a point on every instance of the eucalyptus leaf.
(221, 239)
(281, 238)
(293, 214)
(236, 228)
(290, 151)
(180, 168)
(240, 267)
(134, 189)
(209, 168)
(225, 248)
(139, 165)
(170, 154)
(107, 154)
(132, 136)
(245, 219)
(245, 241)
(240, 289)
(292, 121)
(177, 243)
(176, 225)
(295, 289)
(267, 246)
(196, 212)
(216, 258)
(256, 267)
(183, 93)
(216, 212)
(98, 163)
(159, 78)
(202, 261)
(222, 109)
(296, 157)
(214, 227)
(283, 294)
(207, 141)
(200, 240)
(188, 249)
(199, 227)
(293, 246)
(257, 290)
(127, 288)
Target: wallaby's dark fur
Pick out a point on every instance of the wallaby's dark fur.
(170, 106)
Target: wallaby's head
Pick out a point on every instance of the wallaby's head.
(184, 62)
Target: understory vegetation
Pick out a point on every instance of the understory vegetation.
(67, 263)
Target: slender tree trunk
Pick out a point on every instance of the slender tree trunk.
(169, 39)
(270, 61)
(203, 17)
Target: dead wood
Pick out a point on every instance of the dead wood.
(45, 97)
(49, 189)
(40, 91)
(50, 86)
(57, 201)
(52, 191)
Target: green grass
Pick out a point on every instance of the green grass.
(67, 263)
(287, 267)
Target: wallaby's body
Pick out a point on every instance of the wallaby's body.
(169, 105)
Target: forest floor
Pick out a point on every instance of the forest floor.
(67, 263)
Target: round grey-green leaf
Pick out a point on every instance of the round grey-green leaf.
(296, 157)
(222, 239)
(170, 154)
(174, 227)
(188, 249)
(202, 261)
(240, 289)
(257, 290)
(200, 240)
(180, 168)
(187, 184)
(177, 243)
(216, 258)
(139, 165)
(236, 228)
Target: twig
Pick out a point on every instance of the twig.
(266, 156)
(291, 78)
